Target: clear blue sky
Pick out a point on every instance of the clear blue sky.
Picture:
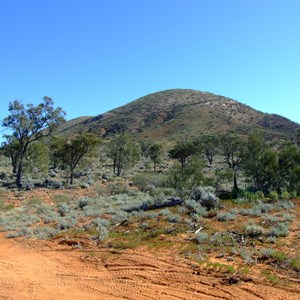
(92, 56)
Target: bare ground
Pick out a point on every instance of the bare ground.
(53, 271)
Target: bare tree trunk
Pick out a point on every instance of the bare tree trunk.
(20, 173)
(71, 176)
(235, 185)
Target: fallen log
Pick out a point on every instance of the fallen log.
(171, 202)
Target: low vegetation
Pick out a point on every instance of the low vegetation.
(225, 201)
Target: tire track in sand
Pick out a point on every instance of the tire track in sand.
(26, 273)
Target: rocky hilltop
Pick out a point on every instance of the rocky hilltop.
(183, 113)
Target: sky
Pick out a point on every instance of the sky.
(93, 56)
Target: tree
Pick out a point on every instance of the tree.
(182, 152)
(29, 124)
(123, 151)
(260, 162)
(269, 167)
(288, 168)
(186, 179)
(10, 149)
(145, 145)
(37, 158)
(233, 151)
(155, 154)
(71, 151)
(254, 157)
(209, 145)
(298, 137)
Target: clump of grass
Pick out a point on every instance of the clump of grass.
(220, 267)
(294, 263)
(247, 255)
(62, 198)
(35, 201)
(4, 207)
(273, 279)
(279, 256)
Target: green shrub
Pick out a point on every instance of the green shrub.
(252, 197)
(273, 195)
(279, 256)
(185, 179)
(285, 195)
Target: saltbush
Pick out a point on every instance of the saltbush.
(205, 197)
(202, 237)
(253, 230)
(281, 229)
(63, 209)
(226, 216)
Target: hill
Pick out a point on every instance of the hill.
(183, 113)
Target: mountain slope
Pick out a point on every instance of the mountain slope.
(183, 113)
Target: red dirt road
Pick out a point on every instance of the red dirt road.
(28, 272)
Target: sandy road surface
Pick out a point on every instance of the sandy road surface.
(30, 273)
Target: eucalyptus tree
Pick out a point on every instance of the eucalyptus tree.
(208, 145)
(233, 149)
(260, 162)
(155, 154)
(123, 151)
(70, 151)
(182, 152)
(289, 168)
(28, 124)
